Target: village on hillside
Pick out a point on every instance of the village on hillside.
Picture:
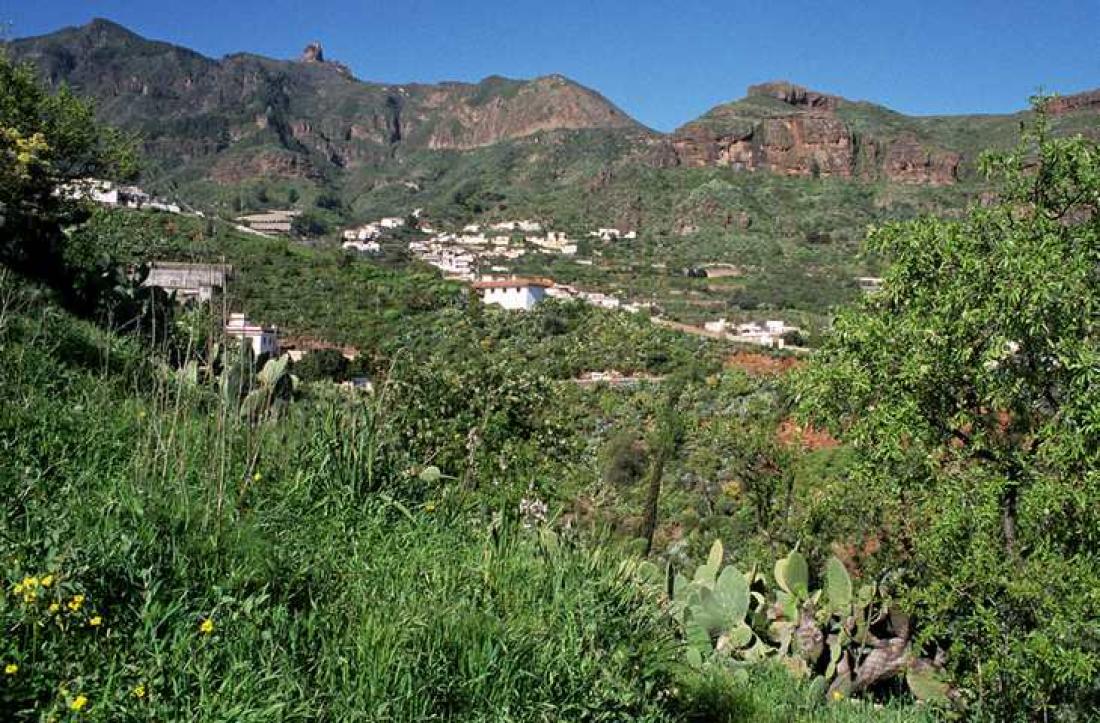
(476, 254)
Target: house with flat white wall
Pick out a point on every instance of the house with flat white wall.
(513, 293)
(716, 327)
(262, 339)
(365, 247)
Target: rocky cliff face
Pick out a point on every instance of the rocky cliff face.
(804, 145)
(245, 116)
(307, 115)
(787, 129)
(1088, 101)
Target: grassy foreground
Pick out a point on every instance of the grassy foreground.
(163, 560)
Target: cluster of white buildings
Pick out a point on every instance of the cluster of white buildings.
(107, 193)
(365, 238)
(459, 254)
(596, 298)
(613, 234)
(769, 334)
(514, 292)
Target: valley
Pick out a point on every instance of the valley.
(332, 399)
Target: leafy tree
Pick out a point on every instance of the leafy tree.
(970, 388)
(47, 141)
(310, 223)
(322, 364)
(329, 201)
(625, 460)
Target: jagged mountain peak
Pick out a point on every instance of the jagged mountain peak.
(311, 116)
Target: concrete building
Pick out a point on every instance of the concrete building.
(263, 339)
(521, 294)
(188, 281)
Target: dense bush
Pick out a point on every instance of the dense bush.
(46, 141)
(969, 389)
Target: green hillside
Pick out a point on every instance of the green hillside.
(568, 513)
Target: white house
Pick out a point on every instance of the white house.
(716, 327)
(264, 340)
(367, 232)
(391, 222)
(513, 293)
(366, 247)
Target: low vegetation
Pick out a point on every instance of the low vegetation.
(194, 533)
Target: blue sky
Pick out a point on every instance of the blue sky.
(663, 62)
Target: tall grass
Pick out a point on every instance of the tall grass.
(164, 559)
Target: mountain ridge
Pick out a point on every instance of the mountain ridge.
(245, 117)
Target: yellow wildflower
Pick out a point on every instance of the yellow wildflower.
(18, 589)
(139, 690)
(47, 581)
(257, 477)
(11, 669)
(30, 581)
(54, 607)
(96, 621)
(429, 506)
(76, 602)
(206, 627)
(837, 695)
(30, 596)
(78, 703)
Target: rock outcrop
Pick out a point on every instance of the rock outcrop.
(1063, 104)
(313, 53)
(909, 161)
(795, 95)
(805, 133)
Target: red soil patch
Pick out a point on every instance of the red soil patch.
(791, 434)
(762, 364)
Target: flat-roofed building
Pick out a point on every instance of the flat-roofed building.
(521, 294)
(263, 339)
(187, 280)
